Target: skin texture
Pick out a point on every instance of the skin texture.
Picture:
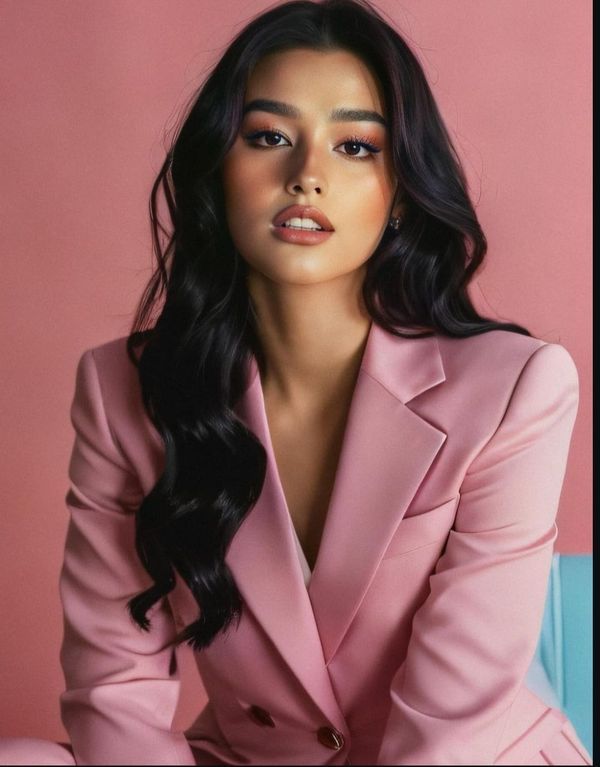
(311, 319)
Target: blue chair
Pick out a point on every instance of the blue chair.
(564, 649)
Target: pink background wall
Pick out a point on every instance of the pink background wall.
(87, 90)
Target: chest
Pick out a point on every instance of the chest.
(306, 450)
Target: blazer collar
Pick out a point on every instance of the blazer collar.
(406, 367)
(386, 451)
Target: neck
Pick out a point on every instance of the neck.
(312, 337)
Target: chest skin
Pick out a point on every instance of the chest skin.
(306, 449)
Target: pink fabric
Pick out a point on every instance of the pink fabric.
(421, 617)
(29, 751)
(306, 571)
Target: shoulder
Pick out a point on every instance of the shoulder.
(108, 391)
(107, 375)
(504, 356)
(500, 373)
(112, 366)
(111, 355)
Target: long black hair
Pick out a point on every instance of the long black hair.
(192, 353)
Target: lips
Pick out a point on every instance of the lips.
(303, 211)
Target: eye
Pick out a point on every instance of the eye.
(271, 137)
(357, 143)
(353, 144)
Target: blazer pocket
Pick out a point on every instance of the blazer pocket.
(421, 529)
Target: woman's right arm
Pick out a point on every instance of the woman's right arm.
(122, 683)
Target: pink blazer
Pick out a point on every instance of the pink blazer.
(410, 644)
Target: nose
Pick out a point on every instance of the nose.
(307, 174)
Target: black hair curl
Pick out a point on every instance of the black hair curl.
(195, 349)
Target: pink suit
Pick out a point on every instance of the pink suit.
(410, 643)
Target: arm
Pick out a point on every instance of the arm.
(475, 635)
(122, 685)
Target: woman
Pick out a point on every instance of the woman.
(314, 461)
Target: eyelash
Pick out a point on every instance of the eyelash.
(363, 141)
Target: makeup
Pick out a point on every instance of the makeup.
(300, 236)
(364, 143)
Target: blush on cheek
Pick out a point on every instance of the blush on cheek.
(373, 218)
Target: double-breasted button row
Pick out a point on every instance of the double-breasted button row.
(330, 738)
(261, 716)
(327, 736)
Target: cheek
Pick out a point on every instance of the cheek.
(366, 210)
(246, 185)
(374, 209)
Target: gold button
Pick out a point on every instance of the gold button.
(261, 716)
(331, 738)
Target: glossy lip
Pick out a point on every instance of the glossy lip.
(303, 211)
(300, 236)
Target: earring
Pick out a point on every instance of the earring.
(395, 223)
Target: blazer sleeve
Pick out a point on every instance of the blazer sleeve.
(122, 684)
(475, 635)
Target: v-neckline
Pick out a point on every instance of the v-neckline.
(302, 558)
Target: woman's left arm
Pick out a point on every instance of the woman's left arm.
(475, 635)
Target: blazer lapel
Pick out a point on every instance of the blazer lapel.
(264, 562)
(386, 452)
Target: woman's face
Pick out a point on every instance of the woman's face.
(291, 152)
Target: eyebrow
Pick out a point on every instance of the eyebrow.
(338, 115)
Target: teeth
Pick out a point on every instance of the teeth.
(302, 223)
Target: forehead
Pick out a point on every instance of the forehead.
(317, 78)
